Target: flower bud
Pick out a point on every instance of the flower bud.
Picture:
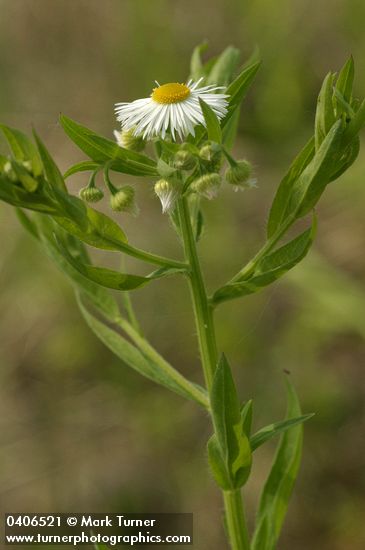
(239, 174)
(123, 200)
(91, 194)
(168, 192)
(207, 185)
(184, 160)
(23, 176)
(127, 139)
(210, 152)
(8, 170)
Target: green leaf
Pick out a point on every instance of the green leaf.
(270, 431)
(325, 116)
(164, 169)
(132, 356)
(348, 158)
(101, 547)
(212, 122)
(246, 417)
(27, 223)
(29, 183)
(232, 440)
(101, 275)
(270, 268)
(196, 64)
(224, 67)
(109, 278)
(23, 149)
(217, 464)
(53, 174)
(355, 125)
(345, 80)
(17, 196)
(100, 298)
(239, 88)
(89, 225)
(282, 196)
(230, 131)
(312, 182)
(85, 166)
(279, 485)
(102, 150)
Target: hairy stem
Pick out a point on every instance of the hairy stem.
(235, 520)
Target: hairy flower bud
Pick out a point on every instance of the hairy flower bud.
(239, 174)
(127, 139)
(168, 192)
(184, 160)
(207, 185)
(210, 152)
(91, 194)
(123, 200)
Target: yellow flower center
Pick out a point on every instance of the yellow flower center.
(170, 93)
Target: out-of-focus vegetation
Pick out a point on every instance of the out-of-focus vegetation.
(79, 431)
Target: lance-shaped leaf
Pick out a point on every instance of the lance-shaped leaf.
(132, 356)
(17, 196)
(85, 166)
(345, 80)
(212, 122)
(104, 150)
(355, 125)
(270, 268)
(279, 485)
(101, 299)
(313, 181)
(310, 185)
(246, 416)
(270, 431)
(89, 225)
(53, 174)
(217, 464)
(282, 196)
(196, 63)
(22, 148)
(325, 116)
(233, 442)
(108, 277)
(238, 89)
(224, 67)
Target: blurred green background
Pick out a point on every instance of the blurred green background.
(81, 432)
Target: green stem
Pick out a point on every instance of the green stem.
(202, 309)
(235, 519)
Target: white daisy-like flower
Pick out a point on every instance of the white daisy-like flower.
(171, 107)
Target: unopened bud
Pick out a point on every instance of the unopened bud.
(184, 160)
(91, 194)
(239, 174)
(24, 177)
(207, 185)
(168, 192)
(8, 170)
(124, 200)
(127, 139)
(210, 152)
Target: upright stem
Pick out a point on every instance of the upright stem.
(202, 309)
(235, 519)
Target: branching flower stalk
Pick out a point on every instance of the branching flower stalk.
(192, 128)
